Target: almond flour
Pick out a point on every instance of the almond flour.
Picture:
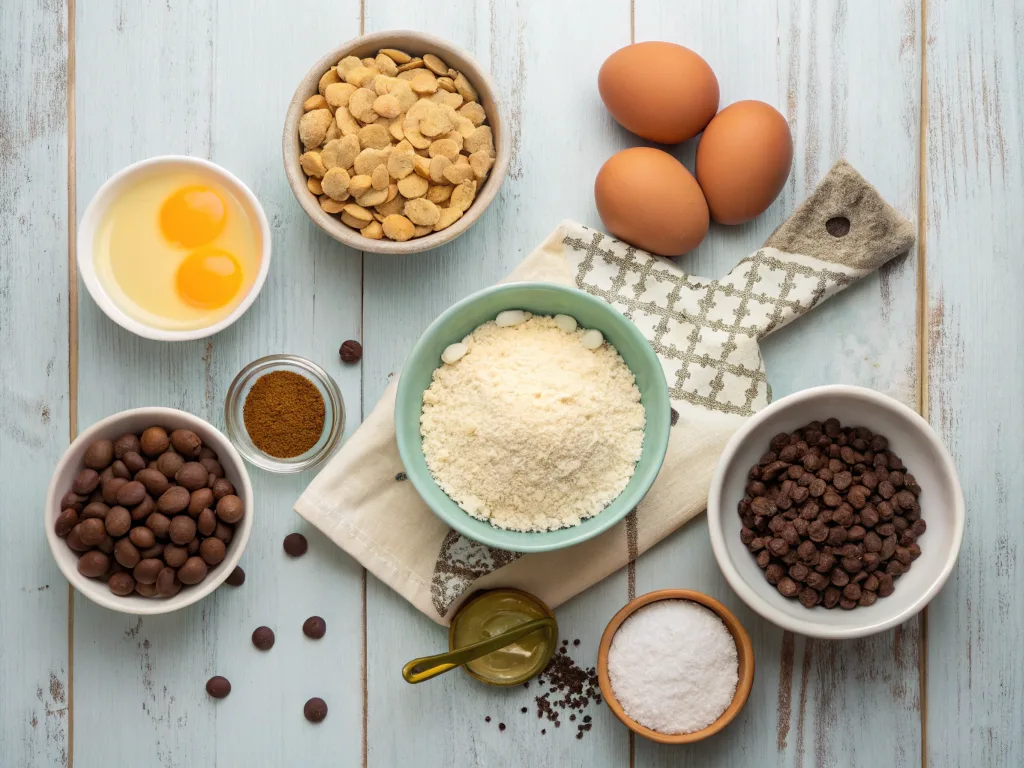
(531, 430)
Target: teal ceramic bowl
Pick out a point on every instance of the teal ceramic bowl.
(540, 299)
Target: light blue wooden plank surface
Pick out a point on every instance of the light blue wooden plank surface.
(34, 401)
(544, 58)
(832, 69)
(153, 78)
(214, 80)
(974, 205)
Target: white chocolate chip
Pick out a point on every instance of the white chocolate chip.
(566, 322)
(592, 339)
(454, 352)
(511, 317)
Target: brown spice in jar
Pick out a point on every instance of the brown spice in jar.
(284, 414)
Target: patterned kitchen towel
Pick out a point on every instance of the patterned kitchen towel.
(706, 334)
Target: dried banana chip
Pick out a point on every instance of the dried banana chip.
(336, 184)
(410, 65)
(439, 193)
(462, 196)
(380, 178)
(312, 164)
(413, 186)
(315, 102)
(330, 206)
(394, 205)
(456, 174)
(421, 165)
(398, 227)
(347, 124)
(359, 184)
(464, 89)
(313, 127)
(386, 64)
(422, 212)
(372, 197)
(400, 164)
(474, 112)
(397, 56)
(329, 77)
(448, 217)
(374, 136)
(482, 139)
(434, 64)
(481, 163)
(338, 94)
(445, 147)
(438, 166)
(424, 83)
(373, 230)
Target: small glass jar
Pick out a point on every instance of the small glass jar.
(334, 413)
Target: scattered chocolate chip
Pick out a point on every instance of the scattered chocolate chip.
(236, 578)
(501, 726)
(487, 719)
(218, 687)
(314, 627)
(295, 544)
(351, 351)
(263, 638)
(315, 710)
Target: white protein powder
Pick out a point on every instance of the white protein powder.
(673, 666)
(530, 430)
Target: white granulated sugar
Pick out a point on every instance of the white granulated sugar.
(530, 430)
(673, 666)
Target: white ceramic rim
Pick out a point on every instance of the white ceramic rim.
(98, 207)
(186, 597)
(814, 628)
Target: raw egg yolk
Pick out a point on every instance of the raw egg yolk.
(193, 216)
(209, 278)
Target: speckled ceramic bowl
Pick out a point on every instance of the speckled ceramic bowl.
(415, 43)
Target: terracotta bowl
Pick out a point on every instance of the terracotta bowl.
(744, 650)
(414, 43)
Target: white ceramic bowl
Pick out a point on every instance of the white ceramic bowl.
(911, 438)
(112, 190)
(112, 427)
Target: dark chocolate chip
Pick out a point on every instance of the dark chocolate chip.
(263, 638)
(315, 710)
(295, 544)
(236, 578)
(218, 687)
(314, 627)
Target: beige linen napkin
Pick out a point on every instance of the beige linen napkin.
(705, 333)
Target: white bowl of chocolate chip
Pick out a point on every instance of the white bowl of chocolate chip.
(836, 512)
(148, 510)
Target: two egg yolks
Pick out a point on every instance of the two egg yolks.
(192, 217)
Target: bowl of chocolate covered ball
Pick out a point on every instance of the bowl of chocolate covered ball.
(148, 511)
(836, 512)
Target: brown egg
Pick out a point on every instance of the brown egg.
(743, 160)
(660, 91)
(648, 199)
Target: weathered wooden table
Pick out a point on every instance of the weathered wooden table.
(924, 97)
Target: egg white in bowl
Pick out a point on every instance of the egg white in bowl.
(174, 248)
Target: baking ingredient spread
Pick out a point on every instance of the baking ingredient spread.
(673, 666)
(531, 427)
